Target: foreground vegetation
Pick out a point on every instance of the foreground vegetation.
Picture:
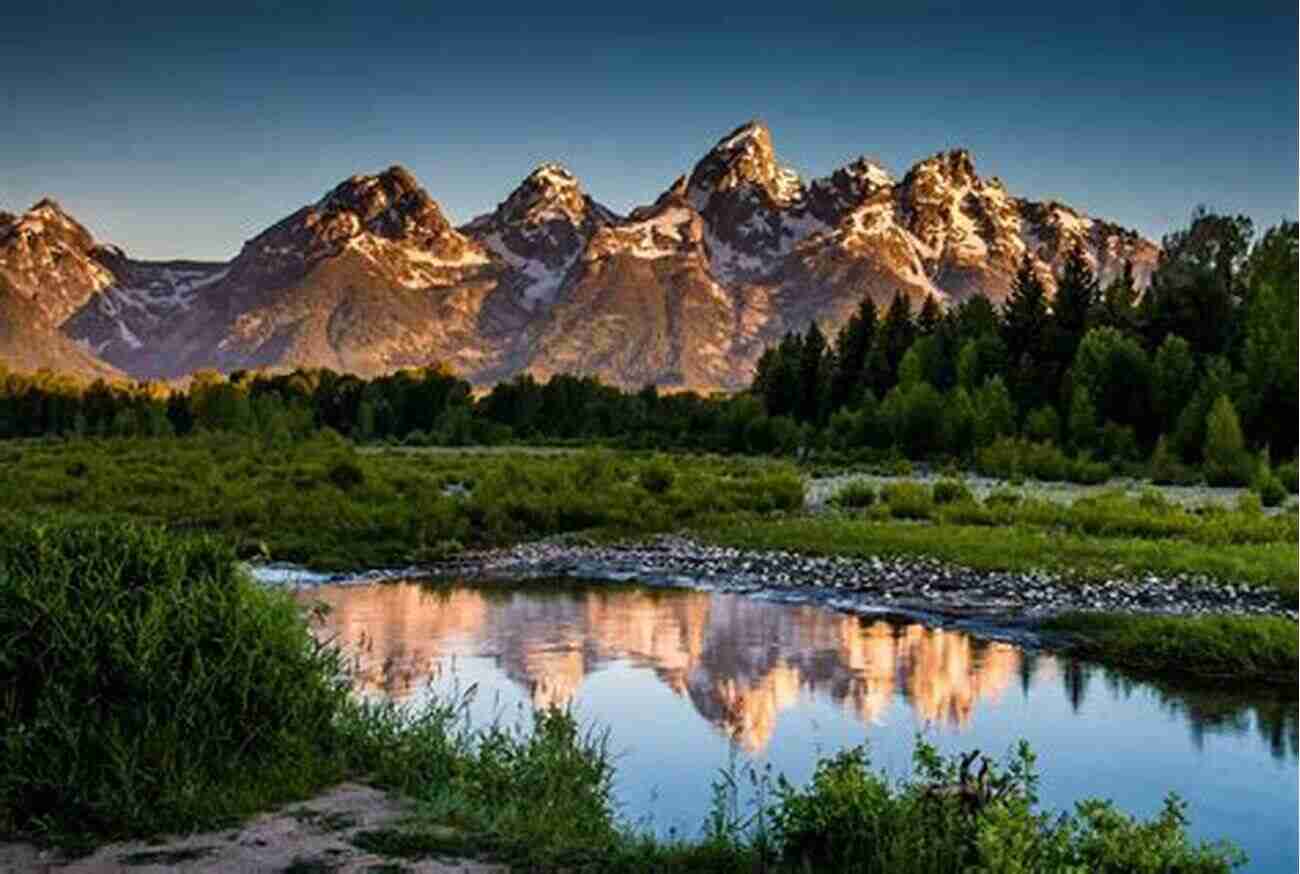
(1226, 646)
(114, 724)
(323, 503)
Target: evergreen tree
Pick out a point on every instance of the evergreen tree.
(1076, 295)
(812, 368)
(1227, 463)
(1025, 333)
(1117, 307)
(927, 323)
(852, 349)
(894, 337)
(977, 317)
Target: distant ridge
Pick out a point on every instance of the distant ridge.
(684, 292)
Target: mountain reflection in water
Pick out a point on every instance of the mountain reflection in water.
(740, 661)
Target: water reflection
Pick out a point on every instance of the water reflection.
(740, 662)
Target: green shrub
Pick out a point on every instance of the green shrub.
(1003, 498)
(951, 491)
(149, 684)
(1043, 461)
(346, 474)
(1119, 442)
(856, 494)
(1249, 504)
(1289, 475)
(1227, 463)
(1166, 469)
(1000, 459)
(1269, 488)
(1043, 425)
(1086, 471)
(657, 476)
(1154, 501)
(908, 500)
(853, 819)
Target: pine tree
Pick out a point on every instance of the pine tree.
(852, 348)
(1025, 332)
(811, 363)
(927, 323)
(895, 336)
(1076, 295)
(1117, 307)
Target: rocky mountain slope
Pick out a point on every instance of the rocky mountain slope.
(684, 292)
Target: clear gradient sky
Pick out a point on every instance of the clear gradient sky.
(181, 134)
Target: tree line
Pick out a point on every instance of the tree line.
(1197, 370)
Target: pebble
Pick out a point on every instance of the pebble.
(919, 583)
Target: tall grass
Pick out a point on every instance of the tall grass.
(146, 685)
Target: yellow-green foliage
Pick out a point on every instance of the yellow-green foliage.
(321, 501)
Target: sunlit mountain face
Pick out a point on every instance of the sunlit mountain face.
(740, 662)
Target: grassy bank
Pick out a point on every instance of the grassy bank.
(149, 687)
(1244, 649)
(1089, 540)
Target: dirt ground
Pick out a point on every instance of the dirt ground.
(310, 837)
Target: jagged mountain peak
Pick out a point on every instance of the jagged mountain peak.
(540, 230)
(390, 204)
(49, 220)
(956, 166)
(549, 193)
(743, 158)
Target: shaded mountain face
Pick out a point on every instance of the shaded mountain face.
(683, 293)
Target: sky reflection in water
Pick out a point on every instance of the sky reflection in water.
(685, 680)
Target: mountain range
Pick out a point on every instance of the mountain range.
(684, 292)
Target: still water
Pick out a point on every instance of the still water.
(687, 680)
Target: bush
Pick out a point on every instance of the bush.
(657, 477)
(856, 494)
(1002, 498)
(908, 500)
(1119, 442)
(1001, 459)
(149, 684)
(1227, 463)
(1166, 469)
(1249, 504)
(346, 474)
(951, 491)
(1043, 425)
(1289, 475)
(850, 818)
(1086, 471)
(1043, 461)
(1269, 488)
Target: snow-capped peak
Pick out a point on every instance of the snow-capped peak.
(743, 158)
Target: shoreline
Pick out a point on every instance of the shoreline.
(1012, 606)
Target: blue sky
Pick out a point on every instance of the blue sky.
(176, 134)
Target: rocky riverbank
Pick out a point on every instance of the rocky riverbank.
(863, 585)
